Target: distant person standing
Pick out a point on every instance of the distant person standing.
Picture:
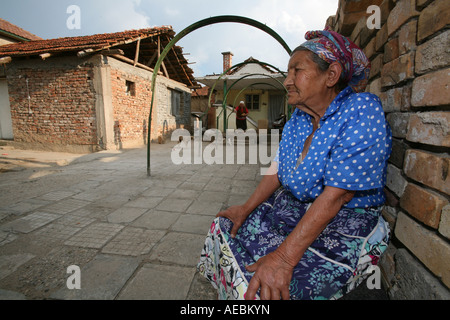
(241, 116)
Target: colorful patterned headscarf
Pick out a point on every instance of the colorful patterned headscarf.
(331, 46)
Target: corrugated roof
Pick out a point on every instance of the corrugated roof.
(15, 30)
(176, 64)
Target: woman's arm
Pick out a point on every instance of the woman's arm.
(273, 272)
(238, 214)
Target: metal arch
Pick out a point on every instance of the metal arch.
(186, 31)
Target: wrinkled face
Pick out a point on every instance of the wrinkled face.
(305, 83)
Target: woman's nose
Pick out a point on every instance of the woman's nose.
(288, 80)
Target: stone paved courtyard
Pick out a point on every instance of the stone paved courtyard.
(132, 236)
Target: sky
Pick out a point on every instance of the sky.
(203, 47)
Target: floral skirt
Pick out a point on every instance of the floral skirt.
(337, 261)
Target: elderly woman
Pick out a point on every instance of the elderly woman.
(313, 226)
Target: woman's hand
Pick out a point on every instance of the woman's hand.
(273, 275)
(237, 215)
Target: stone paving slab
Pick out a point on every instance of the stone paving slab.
(30, 222)
(94, 236)
(144, 202)
(155, 219)
(205, 208)
(193, 223)
(11, 295)
(159, 282)
(179, 248)
(175, 205)
(125, 214)
(45, 273)
(66, 206)
(10, 263)
(133, 241)
(101, 279)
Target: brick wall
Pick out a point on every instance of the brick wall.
(131, 100)
(131, 108)
(60, 110)
(411, 73)
(83, 105)
(164, 122)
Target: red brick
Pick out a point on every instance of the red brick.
(429, 128)
(381, 38)
(376, 66)
(391, 50)
(429, 169)
(369, 49)
(402, 12)
(431, 89)
(425, 205)
(433, 54)
(428, 247)
(396, 99)
(407, 37)
(398, 70)
(433, 18)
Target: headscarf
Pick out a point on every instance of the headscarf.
(333, 47)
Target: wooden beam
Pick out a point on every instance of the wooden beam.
(109, 52)
(174, 70)
(179, 62)
(84, 53)
(128, 60)
(136, 56)
(45, 55)
(155, 54)
(5, 60)
(159, 54)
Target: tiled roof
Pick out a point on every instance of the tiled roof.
(201, 92)
(176, 64)
(15, 30)
(95, 42)
(251, 59)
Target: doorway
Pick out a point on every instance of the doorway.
(6, 130)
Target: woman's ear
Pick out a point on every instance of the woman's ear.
(334, 74)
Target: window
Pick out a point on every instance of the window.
(130, 88)
(175, 103)
(252, 101)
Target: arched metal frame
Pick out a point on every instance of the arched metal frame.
(186, 31)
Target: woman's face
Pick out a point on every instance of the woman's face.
(305, 83)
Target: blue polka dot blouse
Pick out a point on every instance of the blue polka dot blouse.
(349, 150)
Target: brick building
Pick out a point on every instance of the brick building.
(410, 72)
(258, 85)
(83, 94)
